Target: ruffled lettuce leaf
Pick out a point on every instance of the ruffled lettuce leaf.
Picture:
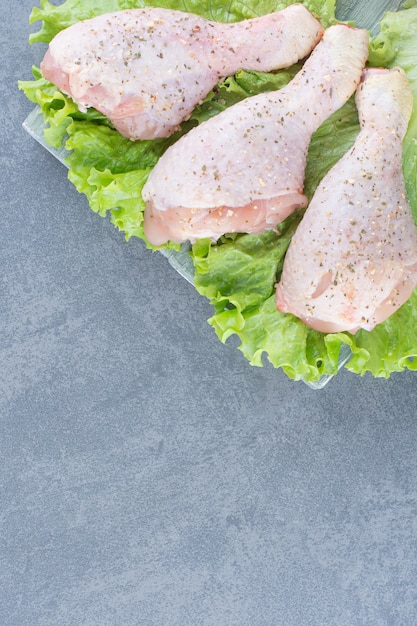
(108, 174)
(397, 45)
(56, 18)
(238, 274)
(285, 340)
(225, 273)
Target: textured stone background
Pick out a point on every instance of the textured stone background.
(149, 476)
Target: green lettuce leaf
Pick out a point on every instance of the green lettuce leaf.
(397, 45)
(239, 273)
(56, 18)
(251, 262)
(285, 340)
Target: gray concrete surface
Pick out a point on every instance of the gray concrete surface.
(149, 476)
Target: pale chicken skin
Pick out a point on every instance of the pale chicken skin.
(353, 259)
(243, 170)
(147, 69)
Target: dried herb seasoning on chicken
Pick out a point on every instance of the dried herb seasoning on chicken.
(147, 69)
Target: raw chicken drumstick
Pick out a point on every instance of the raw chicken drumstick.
(353, 259)
(243, 170)
(147, 69)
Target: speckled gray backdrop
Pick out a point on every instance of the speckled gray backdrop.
(149, 476)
